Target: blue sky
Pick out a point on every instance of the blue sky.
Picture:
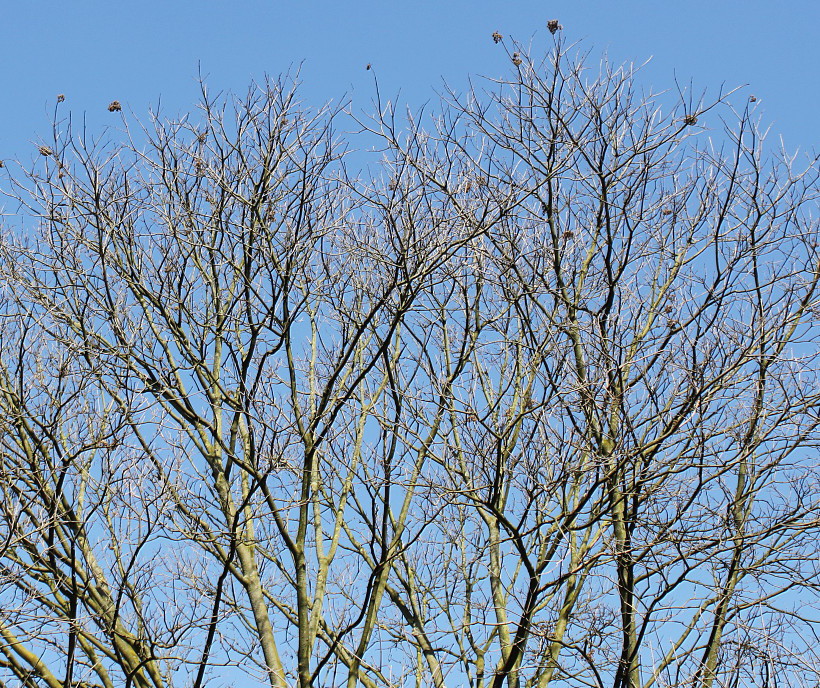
(138, 52)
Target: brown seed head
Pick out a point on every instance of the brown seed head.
(689, 120)
(114, 106)
(666, 211)
(752, 99)
(368, 66)
(554, 26)
(45, 150)
(497, 37)
(516, 59)
(60, 98)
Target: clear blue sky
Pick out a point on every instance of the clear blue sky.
(136, 52)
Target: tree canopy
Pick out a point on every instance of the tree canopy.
(520, 392)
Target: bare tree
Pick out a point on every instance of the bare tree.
(527, 396)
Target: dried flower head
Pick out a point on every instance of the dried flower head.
(2, 164)
(45, 150)
(554, 26)
(666, 211)
(60, 98)
(752, 99)
(516, 58)
(202, 137)
(689, 120)
(114, 106)
(568, 234)
(497, 37)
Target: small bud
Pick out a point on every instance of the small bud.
(114, 106)
(60, 98)
(368, 66)
(2, 164)
(497, 37)
(554, 26)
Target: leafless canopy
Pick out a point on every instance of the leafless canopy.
(527, 396)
